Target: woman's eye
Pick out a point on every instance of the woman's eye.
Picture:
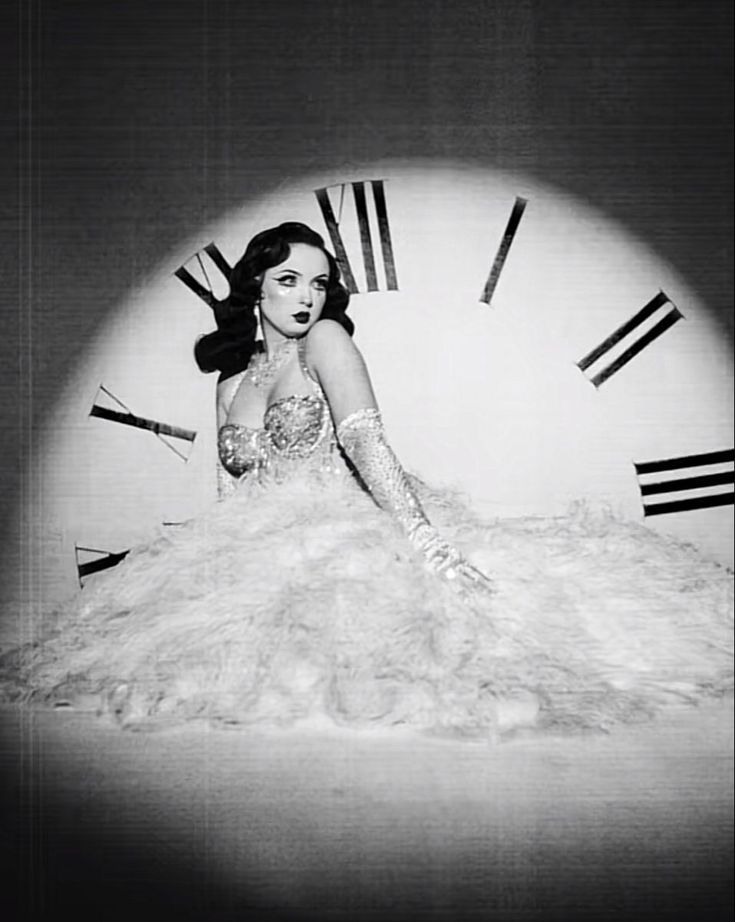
(321, 284)
(287, 280)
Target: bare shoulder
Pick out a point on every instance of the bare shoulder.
(330, 350)
(225, 393)
(225, 388)
(328, 335)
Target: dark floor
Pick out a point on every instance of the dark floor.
(198, 824)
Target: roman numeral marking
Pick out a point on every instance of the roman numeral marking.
(654, 305)
(510, 231)
(205, 289)
(346, 234)
(699, 484)
(106, 561)
(128, 418)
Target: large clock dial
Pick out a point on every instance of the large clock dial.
(523, 348)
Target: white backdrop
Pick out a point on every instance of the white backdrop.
(487, 399)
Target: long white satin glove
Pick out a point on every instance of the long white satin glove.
(363, 439)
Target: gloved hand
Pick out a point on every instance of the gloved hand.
(362, 437)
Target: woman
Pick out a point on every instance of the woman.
(320, 585)
(309, 373)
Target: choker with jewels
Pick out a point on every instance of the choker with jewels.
(263, 368)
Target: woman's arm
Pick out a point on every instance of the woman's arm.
(342, 373)
(340, 368)
(226, 483)
(222, 407)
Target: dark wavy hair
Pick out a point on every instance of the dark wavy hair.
(228, 348)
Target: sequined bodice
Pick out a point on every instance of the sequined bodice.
(297, 430)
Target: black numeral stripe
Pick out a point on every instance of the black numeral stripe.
(366, 239)
(639, 345)
(686, 483)
(193, 284)
(128, 418)
(510, 231)
(140, 422)
(325, 205)
(366, 242)
(386, 244)
(104, 562)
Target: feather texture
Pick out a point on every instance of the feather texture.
(290, 601)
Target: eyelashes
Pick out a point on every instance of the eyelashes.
(290, 281)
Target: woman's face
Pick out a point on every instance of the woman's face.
(293, 293)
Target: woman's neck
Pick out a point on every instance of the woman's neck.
(274, 343)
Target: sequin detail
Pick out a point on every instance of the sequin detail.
(241, 449)
(263, 368)
(296, 424)
(362, 436)
(296, 430)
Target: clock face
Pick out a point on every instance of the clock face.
(523, 348)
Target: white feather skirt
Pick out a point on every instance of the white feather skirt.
(295, 602)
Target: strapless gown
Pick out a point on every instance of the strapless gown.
(297, 597)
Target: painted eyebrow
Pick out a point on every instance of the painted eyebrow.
(320, 275)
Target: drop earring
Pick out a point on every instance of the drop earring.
(258, 323)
